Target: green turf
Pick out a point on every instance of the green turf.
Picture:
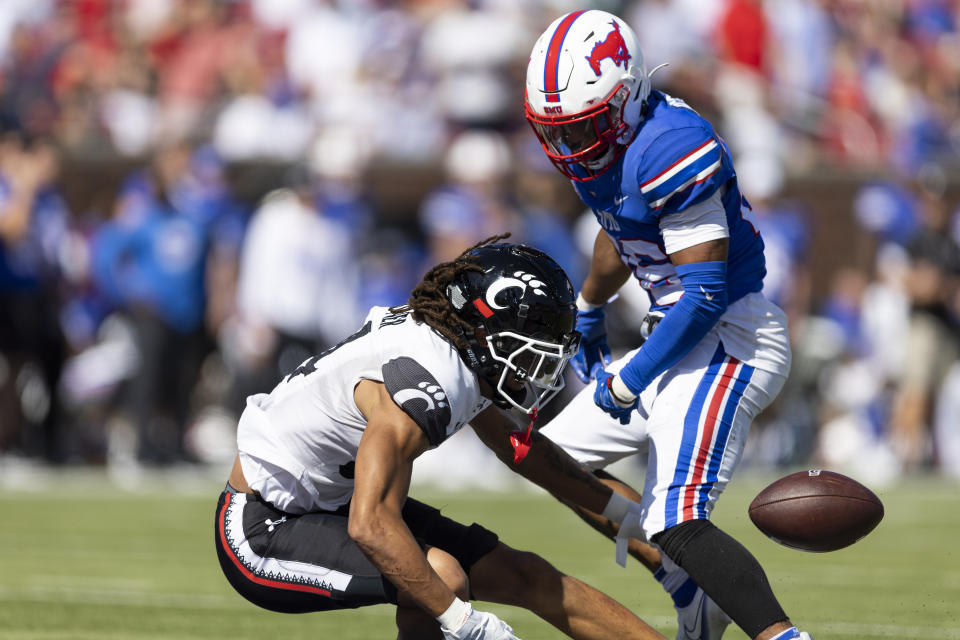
(100, 563)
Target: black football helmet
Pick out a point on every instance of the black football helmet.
(523, 310)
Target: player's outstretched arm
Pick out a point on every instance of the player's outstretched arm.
(607, 271)
(702, 269)
(552, 468)
(390, 443)
(546, 465)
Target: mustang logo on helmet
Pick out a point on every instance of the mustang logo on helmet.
(613, 47)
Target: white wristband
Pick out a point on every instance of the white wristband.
(583, 305)
(621, 393)
(616, 509)
(455, 615)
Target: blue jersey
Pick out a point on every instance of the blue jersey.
(34, 258)
(157, 260)
(675, 160)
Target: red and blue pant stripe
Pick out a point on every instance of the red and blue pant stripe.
(706, 429)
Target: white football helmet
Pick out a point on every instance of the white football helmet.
(586, 86)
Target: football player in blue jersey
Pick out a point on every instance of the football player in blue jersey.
(662, 185)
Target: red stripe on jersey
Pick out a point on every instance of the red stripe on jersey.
(249, 575)
(482, 307)
(551, 70)
(703, 179)
(709, 425)
(681, 160)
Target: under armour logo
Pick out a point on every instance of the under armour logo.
(273, 524)
(706, 295)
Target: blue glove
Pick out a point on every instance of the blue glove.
(594, 353)
(603, 398)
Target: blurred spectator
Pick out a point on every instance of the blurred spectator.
(858, 99)
(854, 393)
(946, 426)
(338, 160)
(886, 312)
(473, 204)
(786, 232)
(538, 193)
(801, 40)
(743, 35)
(933, 344)
(471, 67)
(297, 290)
(888, 210)
(665, 29)
(152, 260)
(33, 229)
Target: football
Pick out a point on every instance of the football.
(816, 511)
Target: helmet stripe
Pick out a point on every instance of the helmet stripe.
(551, 70)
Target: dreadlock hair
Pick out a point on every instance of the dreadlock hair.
(428, 301)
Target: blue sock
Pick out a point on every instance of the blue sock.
(678, 584)
(789, 634)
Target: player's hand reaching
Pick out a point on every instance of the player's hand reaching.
(628, 516)
(594, 354)
(479, 625)
(606, 399)
(630, 528)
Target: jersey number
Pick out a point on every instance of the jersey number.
(310, 364)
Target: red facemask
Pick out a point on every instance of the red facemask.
(583, 145)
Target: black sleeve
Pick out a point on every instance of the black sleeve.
(419, 394)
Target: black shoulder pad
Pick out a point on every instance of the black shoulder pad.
(419, 394)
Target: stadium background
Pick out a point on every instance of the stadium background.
(195, 194)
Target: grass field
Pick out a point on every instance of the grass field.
(85, 560)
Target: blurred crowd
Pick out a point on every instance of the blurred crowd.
(195, 195)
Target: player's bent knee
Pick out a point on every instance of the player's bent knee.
(450, 571)
(525, 577)
(674, 540)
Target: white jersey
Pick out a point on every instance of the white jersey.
(298, 443)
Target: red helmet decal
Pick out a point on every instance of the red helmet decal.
(482, 307)
(613, 47)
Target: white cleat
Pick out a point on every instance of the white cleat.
(805, 636)
(702, 619)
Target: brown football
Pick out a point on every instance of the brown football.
(816, 511)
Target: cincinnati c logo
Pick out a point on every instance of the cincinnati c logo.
(521, 279)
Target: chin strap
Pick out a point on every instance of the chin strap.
(521, 440)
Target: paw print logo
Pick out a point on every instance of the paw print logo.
(430, 393)
(532, 282)
(520, 279)
(435, 392)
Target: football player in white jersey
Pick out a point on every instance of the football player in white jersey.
(315, 515)
(662, 186)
